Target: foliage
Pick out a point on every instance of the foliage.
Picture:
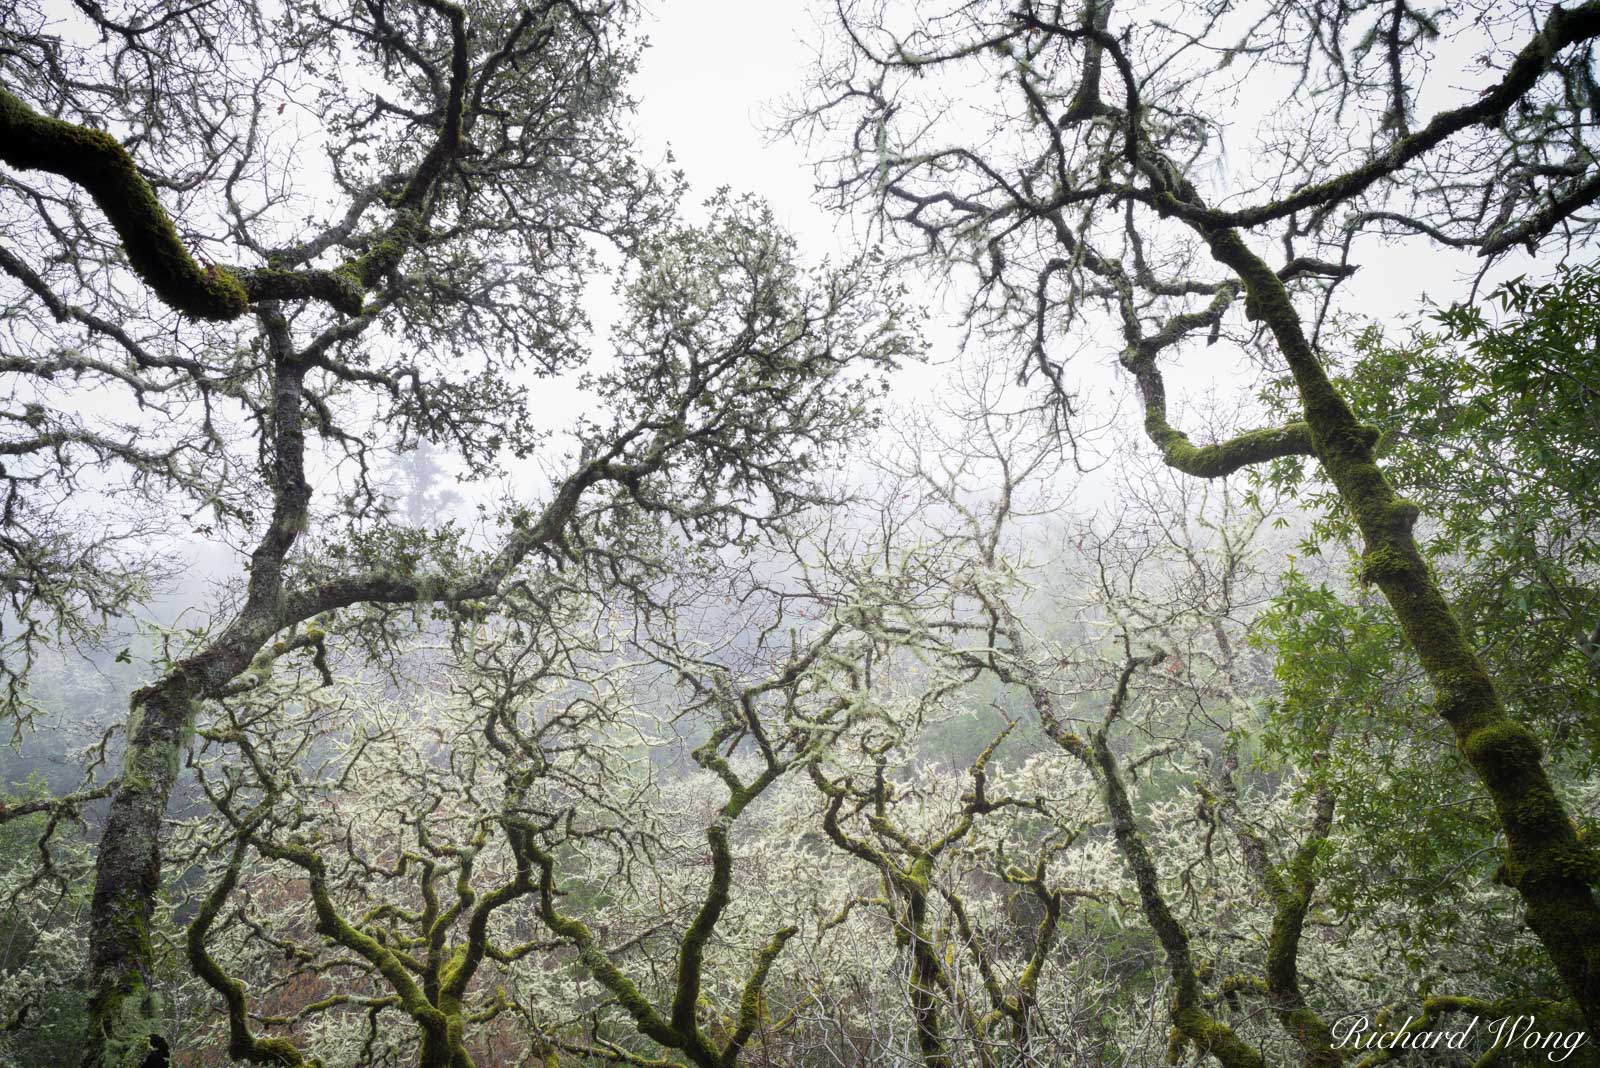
(1498, 421)
(700, 747)
(1084, 169)
(43, 1009)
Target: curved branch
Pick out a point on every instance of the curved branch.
(242, 1045)
(1562, 27)
(95, 160)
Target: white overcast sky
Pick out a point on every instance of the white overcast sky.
(707, 86)
(717, 69)
(711, 85)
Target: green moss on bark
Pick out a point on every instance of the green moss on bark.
(132, 1024)
(1544, 860)
(94, 160)
(1226, 457)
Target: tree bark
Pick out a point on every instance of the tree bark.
(1544, 861)
(128, 1023)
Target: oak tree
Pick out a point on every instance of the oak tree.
(252, 250)
(1081, 163)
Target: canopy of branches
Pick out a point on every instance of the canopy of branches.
(368, 706)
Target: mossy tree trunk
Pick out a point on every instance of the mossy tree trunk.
(1544, 862)
(128, 1026)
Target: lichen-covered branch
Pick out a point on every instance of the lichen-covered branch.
(242, 1044)
(1192, 1023)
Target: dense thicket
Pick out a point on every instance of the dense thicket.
(746, 729)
